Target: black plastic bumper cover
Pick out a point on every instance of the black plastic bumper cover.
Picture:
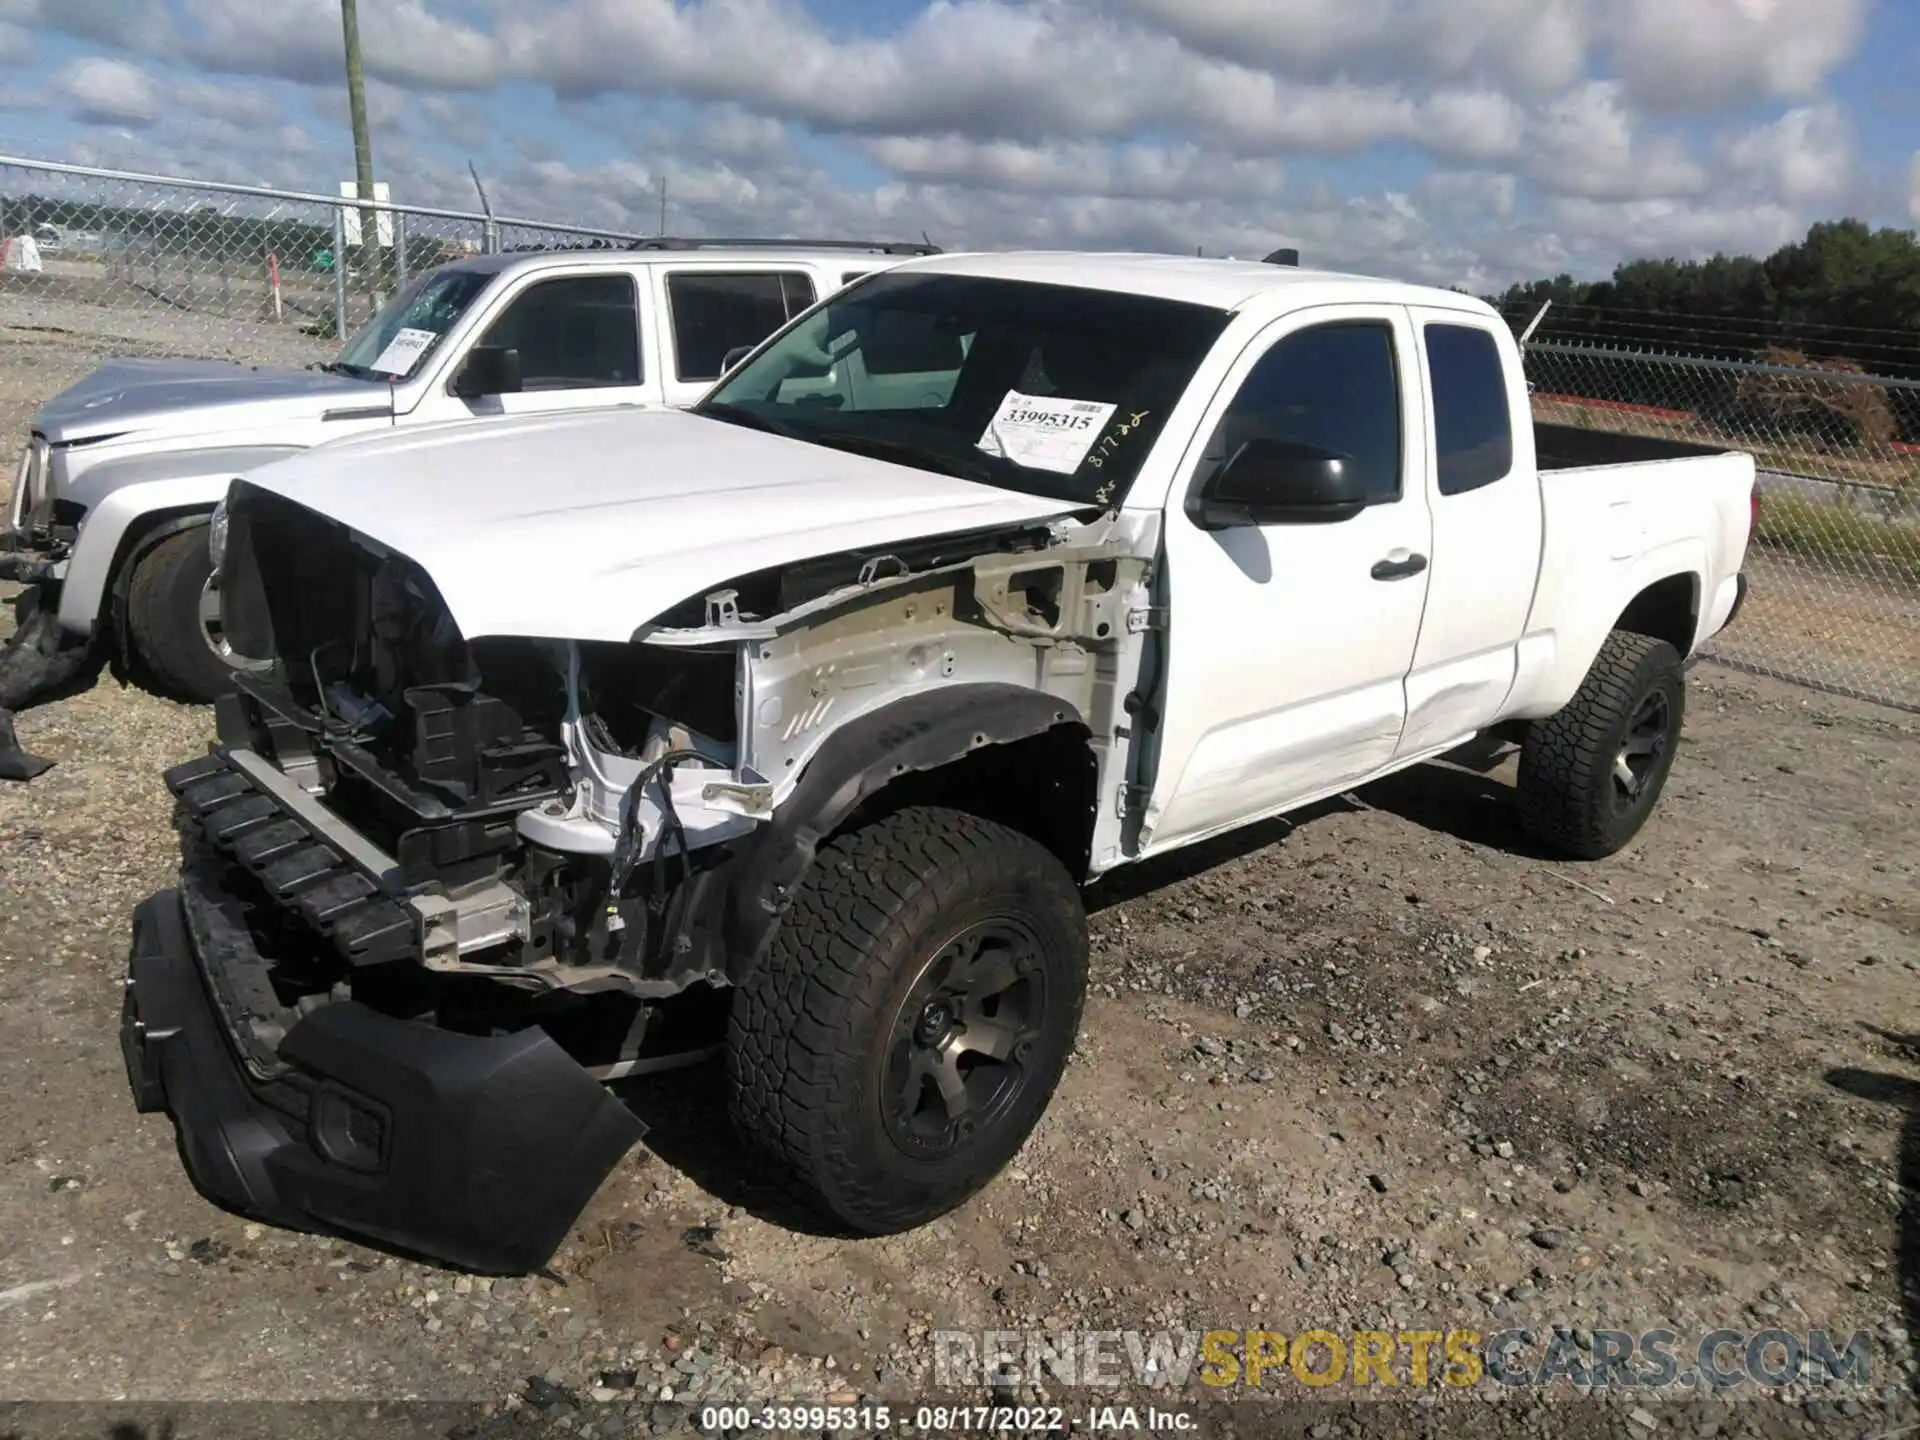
(476, 1151)
(36, 660)
(1739, 599)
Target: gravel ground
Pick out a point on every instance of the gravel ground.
(1379, 1068)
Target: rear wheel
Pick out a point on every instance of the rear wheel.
(912, 1017)
(173, 620)
(1591, 775)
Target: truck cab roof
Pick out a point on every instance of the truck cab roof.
(1218, 283)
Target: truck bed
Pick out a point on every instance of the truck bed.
(1573, 447)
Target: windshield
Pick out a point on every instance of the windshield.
(409, 325)
(1048, 389)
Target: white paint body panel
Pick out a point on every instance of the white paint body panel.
(1288, 661)
(587, 526)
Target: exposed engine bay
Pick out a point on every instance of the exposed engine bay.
(453, 824)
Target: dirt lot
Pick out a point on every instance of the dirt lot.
(1380, 1069)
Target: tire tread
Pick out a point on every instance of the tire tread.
(793, 1045)
(1566, 761)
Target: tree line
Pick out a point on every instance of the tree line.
(1845, 299)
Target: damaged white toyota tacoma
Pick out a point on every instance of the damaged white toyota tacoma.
(792, 726)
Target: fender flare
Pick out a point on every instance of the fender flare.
(918, 733)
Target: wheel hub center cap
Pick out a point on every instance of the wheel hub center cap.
(935, 1021)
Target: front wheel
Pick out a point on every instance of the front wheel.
(912, 1017)
(1591, 774)
(173, 620)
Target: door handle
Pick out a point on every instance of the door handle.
(1399, 569)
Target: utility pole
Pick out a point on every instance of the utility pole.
(362, 141)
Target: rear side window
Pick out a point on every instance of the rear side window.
(573, 333)
(1334, 387)
(716, 313)
(1472, 429)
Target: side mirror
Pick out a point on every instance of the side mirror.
(1277, 482)
(488, 370)
(734, 356)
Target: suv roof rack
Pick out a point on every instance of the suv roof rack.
(883, 247)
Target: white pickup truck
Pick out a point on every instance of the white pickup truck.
(120, 472)
(792, 725)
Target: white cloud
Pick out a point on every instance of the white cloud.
(1913, 189)
(1470, 195)
(1521, 44)
(141, 26)
(1805, 157)
(237, 104)
(16, 44)
(404, 41)
(109, 92)
(1661, 228)
(1589, 143)
(984, 69)
(1079, 168)
(1699, 54)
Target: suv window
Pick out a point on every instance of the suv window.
(1472, 429)
(572, 333)
(1334, 386)
(716, 313)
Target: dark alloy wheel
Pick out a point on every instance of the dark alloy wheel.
(1643, 751)
(911, 1018)
(1591, 774)
(961, 1042)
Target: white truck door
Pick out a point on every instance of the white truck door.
(581, 343)
(711, 309)
(1289, 644)
(1485, 495)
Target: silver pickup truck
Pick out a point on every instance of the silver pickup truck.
(121, 472)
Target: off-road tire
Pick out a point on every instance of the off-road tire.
(1569, 797)
(810, 1033)
(167, 638)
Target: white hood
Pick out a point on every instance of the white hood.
(587, 525)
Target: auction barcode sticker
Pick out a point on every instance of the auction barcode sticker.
(403, 350)
(1044, 432)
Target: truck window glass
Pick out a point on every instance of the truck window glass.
(431, 303)
(903, 343)
(1333, 386)
(989, 347)
(1472, 429)
(717, 312)
(575, 332)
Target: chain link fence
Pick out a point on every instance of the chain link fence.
(131, 264)
(1835, 601)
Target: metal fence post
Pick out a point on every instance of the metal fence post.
(400, 247)
(340, 273)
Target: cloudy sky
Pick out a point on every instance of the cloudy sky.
(1464, 141)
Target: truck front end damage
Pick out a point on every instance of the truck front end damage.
(436, 890)
(38, 658)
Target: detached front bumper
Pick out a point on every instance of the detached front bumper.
(476, 1151)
